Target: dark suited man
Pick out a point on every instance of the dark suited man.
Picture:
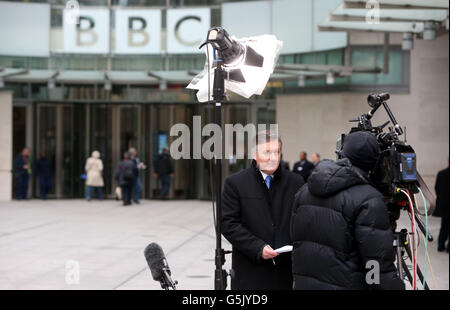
(441, 187)
(315, 158)
(22, 169)
(303, 167)
(256, 210)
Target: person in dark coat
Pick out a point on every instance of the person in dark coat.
(340, 223)
(284, 164)
(164, 171)
(303, 167)
(137, 186)
(126, 173)
(256, 209)
(441, 187)
(315, 158)
(44, 172)
(22, 170)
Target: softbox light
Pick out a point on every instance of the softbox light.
(246, 62)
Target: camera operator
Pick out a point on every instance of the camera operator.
(340, 222)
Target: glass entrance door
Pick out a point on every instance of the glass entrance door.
(114, 129)
(102, 140)
(46, 144)
(60, 137)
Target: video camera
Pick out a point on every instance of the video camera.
(396, 165)
(396, 168)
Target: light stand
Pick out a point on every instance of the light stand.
(220, 275)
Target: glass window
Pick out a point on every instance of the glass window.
(56, 18)
(371, 57)
(128, 127)
(195, 2)
(101, 139)
(68, 159)
(290, 83)
(63, 2)
(307, 58)
(321, 58)
(5, 62)
(139, 2)
(340, 80)
(266, 116)
(216, 16)
(287, 59)
(315, 82)
(138, 63)
(335, 57)
(80, 63)
(79, 92)
(362, 58)
(120, 63)
(395, 75)
(82, 2)
(16, 62)
(20, 90)
(102, 63)
(186, 62)
(78, 148)
(38, 91)
(19, 129)
(76, 62)
(46, 137)
(38, 63)
(118, 92)
(147, 63)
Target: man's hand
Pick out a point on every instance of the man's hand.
(268, 252)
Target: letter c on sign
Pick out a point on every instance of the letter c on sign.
(177, 27)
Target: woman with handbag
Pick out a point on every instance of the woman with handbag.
(94, 169)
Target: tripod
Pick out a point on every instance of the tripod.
(402, 246)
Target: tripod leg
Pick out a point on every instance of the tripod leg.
(408, 273)
(399, 257)
(419, 272)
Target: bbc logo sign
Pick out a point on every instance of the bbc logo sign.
(136, 31)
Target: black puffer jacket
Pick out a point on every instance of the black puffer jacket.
(339, 223)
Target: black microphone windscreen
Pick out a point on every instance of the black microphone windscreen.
(155, 258)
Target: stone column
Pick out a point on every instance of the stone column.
(6, 145)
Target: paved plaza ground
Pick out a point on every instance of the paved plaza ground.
(42, 242)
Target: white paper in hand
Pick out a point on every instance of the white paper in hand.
(284, 249)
